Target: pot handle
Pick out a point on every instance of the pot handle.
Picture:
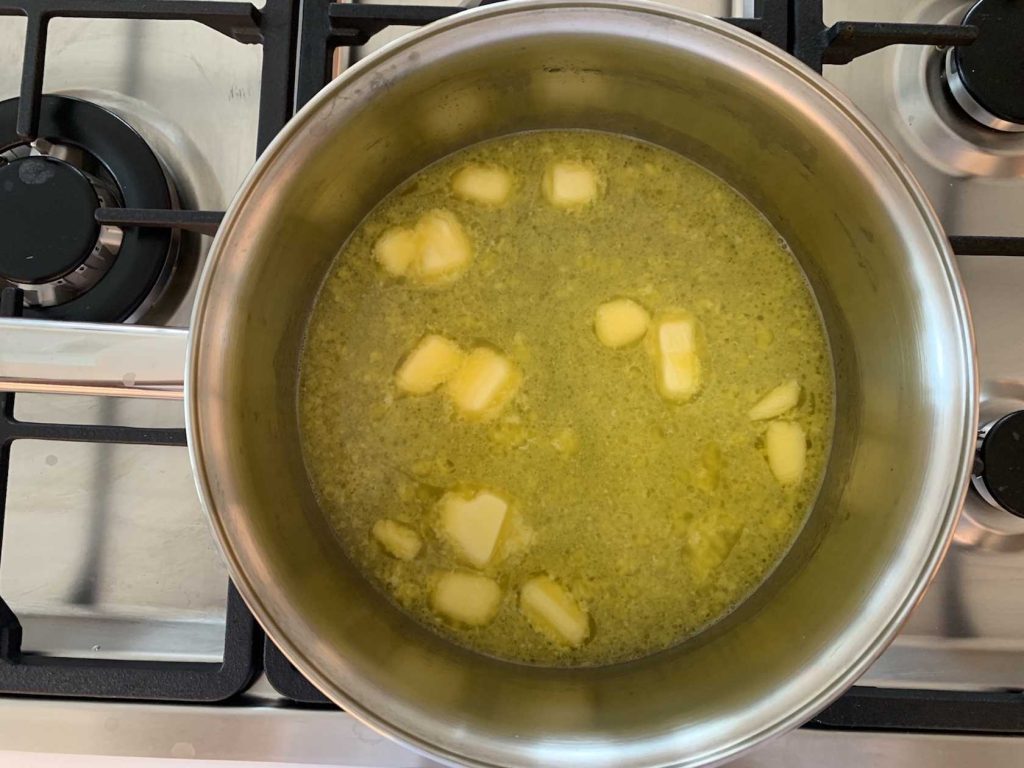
(68, 358)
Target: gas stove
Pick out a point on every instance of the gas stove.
(120, 634)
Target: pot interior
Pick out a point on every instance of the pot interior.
(869, 247)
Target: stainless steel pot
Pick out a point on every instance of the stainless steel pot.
(873, 251)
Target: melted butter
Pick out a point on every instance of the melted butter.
(657, 517)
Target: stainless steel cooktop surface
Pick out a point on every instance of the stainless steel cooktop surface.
(107, 554)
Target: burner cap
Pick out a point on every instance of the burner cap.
(47, 217)
(123, 270)
(1001, 476)
(987, 77)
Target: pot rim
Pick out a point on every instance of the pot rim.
(957, 490)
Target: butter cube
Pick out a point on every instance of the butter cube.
(473, 525)
(568, 184)
(776, 402)
(398, 540)
(429, 365)
(676, 357)
(467, 598)
(396, 250)
(444, 248)
(483, 383)
(786, 446)
(708, 543)
(484, 184)
(553, 612)
(435, 250)
(620, 322)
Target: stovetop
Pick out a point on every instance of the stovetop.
(107, 557)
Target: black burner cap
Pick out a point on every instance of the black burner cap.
(47, 219)
(992, 67)
(125, 163)
(1002, 454)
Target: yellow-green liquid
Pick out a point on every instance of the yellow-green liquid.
(658, 517)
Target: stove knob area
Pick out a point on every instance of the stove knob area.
(998, 474)
(986, 78)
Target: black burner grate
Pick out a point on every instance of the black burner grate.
(275, 28)
(115, 678)
(297, 52)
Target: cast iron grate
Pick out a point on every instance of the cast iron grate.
(922, 711)
(38, 674)
(274, 27)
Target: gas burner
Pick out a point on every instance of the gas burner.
(69, 266)
(961, 162)
(987, 78)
